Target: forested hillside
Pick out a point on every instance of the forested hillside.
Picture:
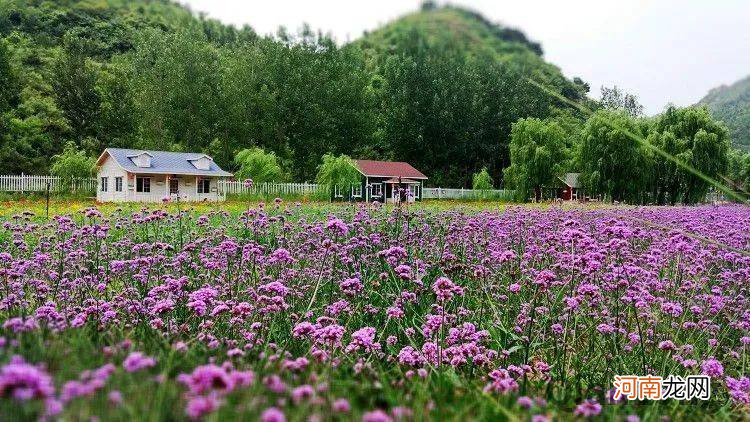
(731, 104)
(68, 73)
(453, 84)
(439, 88)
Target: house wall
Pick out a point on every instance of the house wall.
(387, 190)
(188, 189)
(110, 170)
(159, 188)
(377, 181)
(567, 193)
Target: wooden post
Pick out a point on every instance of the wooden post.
(48, 200)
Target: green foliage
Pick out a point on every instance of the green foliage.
(537, 155)
(72, 163)
(117, 122)
(74, 82)
(258, 165)
(615, 99)
(622, 168)
(31, 133)
(738, 168)
(176, 89)
(338, 171)
(448, 98)
(613, 164)
(150, 74)
(8, 78)
(731, 105)
(482, 180)
(691, 135)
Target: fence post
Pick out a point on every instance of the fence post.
(48, 185)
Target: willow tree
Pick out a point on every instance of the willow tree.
(337, 171)
(614, 163)
(699, 142)
(537, 156)
(258, 165)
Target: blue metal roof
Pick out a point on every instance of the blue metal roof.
(164, 162)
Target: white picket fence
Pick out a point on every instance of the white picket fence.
(30, 183)
(279, 189)
(453, 193)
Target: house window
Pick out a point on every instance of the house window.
(376, 189)
(204, 185)
(357, 191)
(413, 191)
(104, 183)
(174, 186)
(118, 184)
(337, 192)
(143, 184)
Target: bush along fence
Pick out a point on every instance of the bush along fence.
(322, 192)
(30, 183)
(268, 189)
(468, 194)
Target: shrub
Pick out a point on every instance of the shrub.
(258, 165)
(482, 180)
(72, 163)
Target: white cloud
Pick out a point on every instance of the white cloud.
(663, 51)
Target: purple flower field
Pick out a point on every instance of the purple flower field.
(369, 313)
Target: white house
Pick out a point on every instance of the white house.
(151, 176)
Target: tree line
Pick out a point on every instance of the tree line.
(674, 157)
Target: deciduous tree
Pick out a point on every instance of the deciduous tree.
(258, 165)
(693, 137)
(72, 163)
(537, 156)
(613, 161)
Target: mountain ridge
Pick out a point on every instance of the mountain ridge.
(730, 103)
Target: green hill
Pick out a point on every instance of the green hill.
(110, 24)
(731, 104)
(451, 29)
(453, 85)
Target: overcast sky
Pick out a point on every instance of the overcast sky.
(661, 50)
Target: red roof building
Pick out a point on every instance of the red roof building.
(386, 181)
